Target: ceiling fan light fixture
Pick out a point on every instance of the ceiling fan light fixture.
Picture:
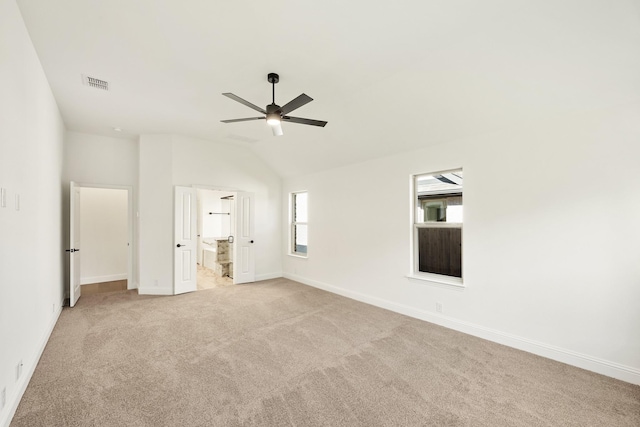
(277, 130)
(273, 119)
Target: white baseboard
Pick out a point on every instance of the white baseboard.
(101, 279)
(14, 400)
(590, 363)
(153, 290)
(268, 276)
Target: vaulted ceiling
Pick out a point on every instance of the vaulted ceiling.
(388, 76)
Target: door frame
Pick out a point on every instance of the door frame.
(130, 224)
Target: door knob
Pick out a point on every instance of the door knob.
(250, 241)
(178, 245)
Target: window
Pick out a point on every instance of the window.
(299, 223)
(437, 226)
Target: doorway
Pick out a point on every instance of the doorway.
(240, 250)
(102, 233)
(215, 231)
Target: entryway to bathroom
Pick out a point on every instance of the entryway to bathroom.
(215, 228)
(220, 221)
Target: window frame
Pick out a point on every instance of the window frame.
(293, 224)
(440, 279)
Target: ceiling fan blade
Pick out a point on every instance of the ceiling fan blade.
(295, 103)
(242, 120)
(302, 121)
(277, 129)
(242, 101)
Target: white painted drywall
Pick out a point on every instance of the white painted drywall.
(98, 159)
(550, 243)
(166, 161)
(31, 245)
(215, 224)
(102, 160)
(214, 217)
(155, 224)
(104, 234)
(211, 223)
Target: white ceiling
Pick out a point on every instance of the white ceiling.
(388, 76)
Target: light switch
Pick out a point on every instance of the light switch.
(3, 197)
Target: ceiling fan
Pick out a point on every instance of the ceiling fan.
(274, 113)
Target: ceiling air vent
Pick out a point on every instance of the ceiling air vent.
(96, 83)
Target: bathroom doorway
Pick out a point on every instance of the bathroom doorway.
(216, 231)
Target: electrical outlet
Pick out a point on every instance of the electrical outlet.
(155, 282)
(3, 397)
(439, 307)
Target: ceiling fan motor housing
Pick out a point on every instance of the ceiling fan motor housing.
(273, 113)
(273, 109)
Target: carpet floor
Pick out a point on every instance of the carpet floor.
(278, 353)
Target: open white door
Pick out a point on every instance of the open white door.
(185, 243)
(74, 244)
(243, 252)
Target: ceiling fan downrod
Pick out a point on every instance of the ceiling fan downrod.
(273, 78)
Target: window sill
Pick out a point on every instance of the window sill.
(438, 280)
(298, 255)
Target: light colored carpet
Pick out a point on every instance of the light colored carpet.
(279, 353)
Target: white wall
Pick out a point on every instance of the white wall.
(155, 204)
(104, 234)
(101, 161)
(211, 224)
(215, 225)
(98, 159)
(551, 238)
(166, 161)
(31, 138)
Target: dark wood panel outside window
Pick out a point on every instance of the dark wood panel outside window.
(440, 250)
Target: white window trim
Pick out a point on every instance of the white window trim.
(440, 280)
(293, 224)
(297, 255)
(437, 279)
